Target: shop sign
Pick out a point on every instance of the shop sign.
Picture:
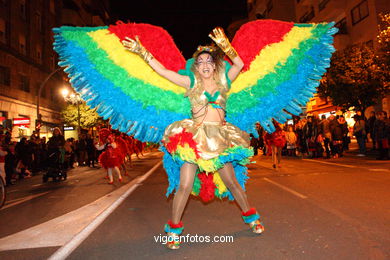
(68, 128)
(21, 121)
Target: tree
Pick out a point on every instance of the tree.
(88, 117)
(354, 79)
(383, 56)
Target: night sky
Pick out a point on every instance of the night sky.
(188, 22)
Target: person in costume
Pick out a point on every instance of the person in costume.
(276, 140)
(283, 62)
(207, 132)
(111, 157)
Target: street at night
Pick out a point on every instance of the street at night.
(208, 129)
(311, 209)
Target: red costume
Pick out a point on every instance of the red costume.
(111, 156)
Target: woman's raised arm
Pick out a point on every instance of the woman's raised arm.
(219, 37)
(135, 46)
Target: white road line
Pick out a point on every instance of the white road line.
(69, 247)
(379, 170)
(329, 163)
(286, 189)
(15, 202)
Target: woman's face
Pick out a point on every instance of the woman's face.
(205, 65)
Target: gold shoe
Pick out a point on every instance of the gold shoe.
(256, 227)
(173, 241)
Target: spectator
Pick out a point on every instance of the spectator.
(3, 153)
(346, 138)
(10, 164)
(291, 139)
(253, 143)
(260, 139)
(381, 129)
(324, 129)
(359, 131)
(370, 126)
(91, 151)
(310, 132)
(68, 153)
(338, 130)
(82, 150)
(24, 156)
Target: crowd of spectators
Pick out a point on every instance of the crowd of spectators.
(323, 137)
(31, 155)
(35, 154)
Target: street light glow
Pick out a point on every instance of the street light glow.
(65, 92)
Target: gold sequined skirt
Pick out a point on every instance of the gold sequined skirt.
(211, 138)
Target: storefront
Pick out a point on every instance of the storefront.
(23, 126)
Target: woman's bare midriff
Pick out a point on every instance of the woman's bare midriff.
(212, 115)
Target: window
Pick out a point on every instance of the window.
(269, 6)
(307, 16)
(359, 12)
(52, 7)
(22, 44)
(53, 63)
(3, 31)
(52, 96)
(39, 54)
(38, 21)
(22, 9)
(322, 5)
(43, 93)
(260, 16)
(5, 75)
(24, 83)
(370, 43)
(342, 26)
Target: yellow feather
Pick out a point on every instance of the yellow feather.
(268, 58)
(131, 62)
(219, 183)
(186, 153)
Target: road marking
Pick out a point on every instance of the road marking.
(379, 170)
(70, 246)
(15, 202)
(329, 163)
(286, 189)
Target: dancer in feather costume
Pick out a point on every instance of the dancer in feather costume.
(195, 108)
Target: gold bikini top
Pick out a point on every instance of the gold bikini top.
(199, 97)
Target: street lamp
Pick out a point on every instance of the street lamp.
(73, 98)
(39, 117)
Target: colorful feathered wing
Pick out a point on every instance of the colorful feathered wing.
(283, 65)
(119, 83)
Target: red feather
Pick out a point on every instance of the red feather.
(252, 37)
(207, 188)
(155, 39)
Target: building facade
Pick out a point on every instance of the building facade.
(357, 21)
(27, 59)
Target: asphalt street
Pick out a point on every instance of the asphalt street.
(311, 209)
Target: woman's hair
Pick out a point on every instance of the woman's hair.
(59, 130)
(216, 55)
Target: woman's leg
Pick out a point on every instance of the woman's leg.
(274, 152)
(187, 176)
(229, 179)
(109, 172)
(279, 154)
(116, 169)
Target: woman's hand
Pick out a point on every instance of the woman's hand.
(135, 46)
(219, 37)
